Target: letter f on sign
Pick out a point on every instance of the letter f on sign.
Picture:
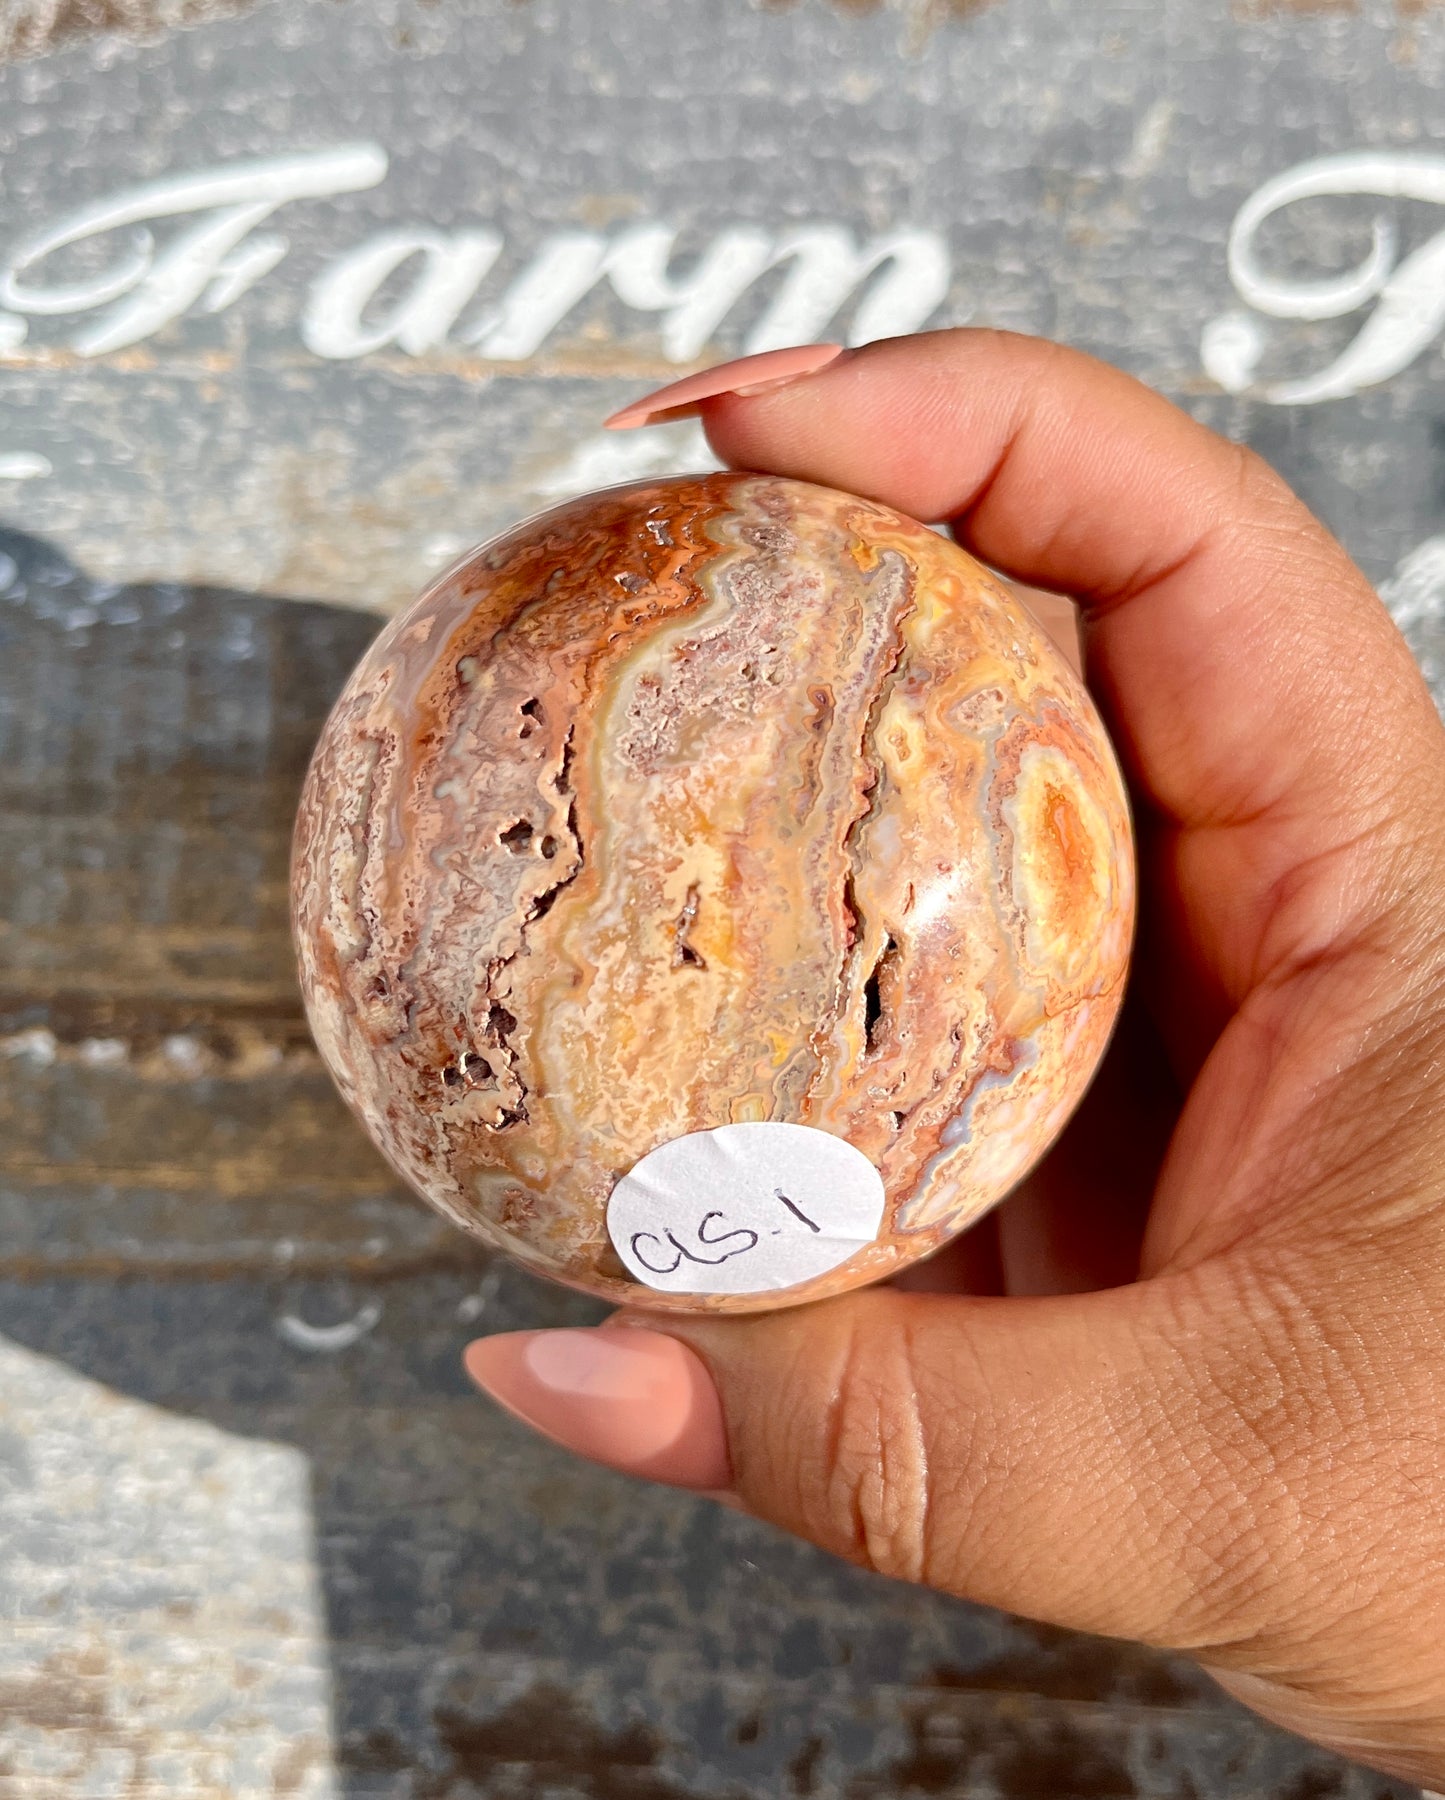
(150, 289)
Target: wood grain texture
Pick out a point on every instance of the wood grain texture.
(161, 1103)
(431, 1605)
(234, 1566)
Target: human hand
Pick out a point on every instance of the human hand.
(1187, 1386)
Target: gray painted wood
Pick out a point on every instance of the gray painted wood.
(256, 1536)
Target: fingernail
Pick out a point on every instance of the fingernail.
(631, 1399)
(744, 375)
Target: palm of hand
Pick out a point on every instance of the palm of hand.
(1184, 1386)
(1241, 1230)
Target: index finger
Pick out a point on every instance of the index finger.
(1268, 711)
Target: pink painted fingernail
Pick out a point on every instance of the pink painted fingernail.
(744, 375)
(631, 1399)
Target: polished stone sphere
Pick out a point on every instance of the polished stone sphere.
(713, 802)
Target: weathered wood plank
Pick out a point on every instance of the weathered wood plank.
(494, 1619)
(256, 1536)
(162, 1106)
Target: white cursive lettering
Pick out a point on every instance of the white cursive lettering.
(825, 268)
(1410, 296)
(452, 266)
(411, 285)
(149, 290)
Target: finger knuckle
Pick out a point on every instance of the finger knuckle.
(1253, 485)
(1258, 508)
(872, 1481)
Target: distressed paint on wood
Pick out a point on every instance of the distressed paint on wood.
(228, 1385)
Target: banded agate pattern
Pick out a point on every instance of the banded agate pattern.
(704, 801)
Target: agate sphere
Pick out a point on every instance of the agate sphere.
(716, 892)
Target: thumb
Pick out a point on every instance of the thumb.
(1081, 1459)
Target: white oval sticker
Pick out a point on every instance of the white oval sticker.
(744, 1209)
